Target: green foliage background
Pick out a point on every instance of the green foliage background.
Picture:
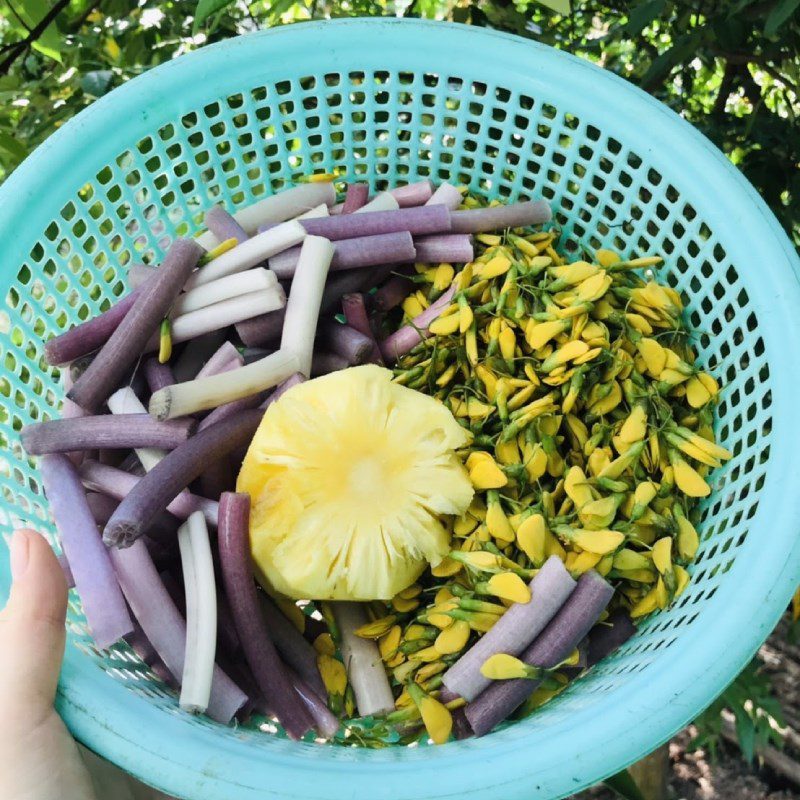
(731, 67)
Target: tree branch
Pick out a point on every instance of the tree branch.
(752, 91)
(779, 76)
(35, 32)
(725, 87)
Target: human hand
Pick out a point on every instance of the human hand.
(38, 758)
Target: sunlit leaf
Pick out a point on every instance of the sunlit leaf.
(112, 49)
(641, 16)
(280, 7)
(50, 42)
(12, 146)
(559, 6)
(205, 9)
(663, 64)
(781, 11)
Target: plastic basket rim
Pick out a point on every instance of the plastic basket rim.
(95, 706)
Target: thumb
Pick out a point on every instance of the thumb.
(32, 627)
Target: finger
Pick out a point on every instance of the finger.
(32, 626)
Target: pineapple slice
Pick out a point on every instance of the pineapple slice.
(349, 475)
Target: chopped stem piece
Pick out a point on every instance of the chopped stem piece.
(191, 359)
(303, 307)
(240, 283)
(498, 218)
(103, 603)
(118, 484)
(355, 312)
(448, 248)
(104, 432)
(90, 335)
(276, 208)
(259, 650)
(362, 661)
(153, 493)
(324, 363)
(157, 375)
(514, 631)
(407, 337)
(446, 195)
(127, 342)
(249, 253)
(202, 393)
(165, 628)
(383, 201)
(125, 401)
(364, 251)
(223, 360)
(201, 614)
(356, 197)
(345, 341)
(413, 194)
(417, 221)
(295, 649)
(223, 225)
(222, 314)
(263, 329)
(556, 642)
(139, 275)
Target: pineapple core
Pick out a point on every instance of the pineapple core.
(350, 476)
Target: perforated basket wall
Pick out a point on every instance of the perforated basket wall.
(390, 101)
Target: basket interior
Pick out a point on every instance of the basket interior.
(387, 127)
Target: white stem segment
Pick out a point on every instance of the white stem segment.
(446, 195)
(221, 315)
(315, 213)
(381, 202)
(249, 253)
(363, 663)
(201, 614)
(182, 399)
(125, 401)
(251, 280)
(277, 208)
(302, 309)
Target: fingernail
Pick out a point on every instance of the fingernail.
(20, 546)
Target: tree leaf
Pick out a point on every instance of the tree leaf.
(641, 16)
(278, 8)
(625, 786)
(97, 82)
(205, 8)
(559, 6)
(49, 42)
(781, 11)
(12, 146)
(662, 65)
(739, 5)
(746, 734)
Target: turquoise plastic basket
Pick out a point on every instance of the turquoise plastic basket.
(391, 101)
